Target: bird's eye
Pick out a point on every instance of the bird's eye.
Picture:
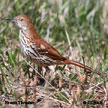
(21, 19)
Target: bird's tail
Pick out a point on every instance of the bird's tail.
(67, 61)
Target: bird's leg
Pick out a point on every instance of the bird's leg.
(41, 81)
(26, 84)
(33, 77)
(34, 84)
(47, 76)
(26, 70)
(39, 69)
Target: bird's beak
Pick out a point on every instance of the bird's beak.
(10, 19)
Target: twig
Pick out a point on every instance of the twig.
(34, 94)
(60, 81)
(69, 42)
(94, 87)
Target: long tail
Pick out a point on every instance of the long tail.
(67, 61)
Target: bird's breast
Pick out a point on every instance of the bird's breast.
(24, 42)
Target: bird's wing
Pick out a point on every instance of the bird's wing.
(45, 49)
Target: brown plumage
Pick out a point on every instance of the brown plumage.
(37, 50)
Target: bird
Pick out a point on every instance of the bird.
(37, 50)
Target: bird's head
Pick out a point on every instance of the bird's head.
(22, 21)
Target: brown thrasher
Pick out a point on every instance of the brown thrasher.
(37, 50)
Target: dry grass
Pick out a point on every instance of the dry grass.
(78, 29)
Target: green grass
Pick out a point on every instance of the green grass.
(82, 19)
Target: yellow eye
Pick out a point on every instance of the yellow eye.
(21, 19)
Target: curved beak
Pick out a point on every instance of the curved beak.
(10, 19)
